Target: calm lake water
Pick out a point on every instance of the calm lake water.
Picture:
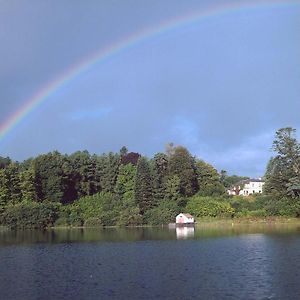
(210, 262)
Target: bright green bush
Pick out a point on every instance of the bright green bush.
(209, 207)
(242, 204)
(109, 209)
(258, 213)
(251, 213)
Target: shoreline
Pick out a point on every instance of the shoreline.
(205, 222)
(201, 223)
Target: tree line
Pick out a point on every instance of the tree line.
(125, 181)
(126, 188)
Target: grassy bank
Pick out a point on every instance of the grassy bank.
(211, 222)
(247, 220)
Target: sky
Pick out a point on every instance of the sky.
(220, 86)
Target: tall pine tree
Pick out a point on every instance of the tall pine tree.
(143, 186)
(160, 175)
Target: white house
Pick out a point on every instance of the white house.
(247, 187)
(183, 219)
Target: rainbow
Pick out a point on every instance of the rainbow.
(128, 42)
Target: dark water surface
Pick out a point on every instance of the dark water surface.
(238, 262)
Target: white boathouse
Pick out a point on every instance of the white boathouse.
(184, 219)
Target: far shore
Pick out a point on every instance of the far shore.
(210, 222)
(200, 223)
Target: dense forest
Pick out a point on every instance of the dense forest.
(126, 188)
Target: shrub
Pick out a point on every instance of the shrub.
(258, 213)
(75, 215)
(214, 189)
(30, 215)
(251, 213)
(209, 207)
(61, 221)
(130, 217)
(164, 213)
(283, 207)
(93, 222)
(102, 206)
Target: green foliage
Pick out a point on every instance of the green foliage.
(12, 172)
(229, 181)
(27, 184)
(286, 207)
(164, 213)
(283, 171)
(74, 219)
(61, 222)
(93, 222)
(30, 215)
(172, 190)
(182, 164)
(50, 178)
(252, 206)
(123, 151)
(125, 183)
(160, 173)
(293, 187)
(209, 207)
(126, 189)
(104, 207)
(130, 216)
(109, 171)
(83, 179)
(259, 213)
(10, 190)
(92, 206)
(4, 190)
(264, 205)
(143, 186)
(240, 203)
(208, 180)
(4, 162)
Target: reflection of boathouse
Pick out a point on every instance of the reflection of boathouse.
(185, 232)
(184, 220)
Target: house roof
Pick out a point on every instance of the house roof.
(255, 180)
(246, 181)
(187, 215)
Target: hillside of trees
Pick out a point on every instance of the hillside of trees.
(126, 188)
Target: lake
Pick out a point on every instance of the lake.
(208, 262)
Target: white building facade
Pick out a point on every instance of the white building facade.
(247, 187)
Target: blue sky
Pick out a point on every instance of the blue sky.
(221, 86)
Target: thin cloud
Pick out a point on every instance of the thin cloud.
(90, 114)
